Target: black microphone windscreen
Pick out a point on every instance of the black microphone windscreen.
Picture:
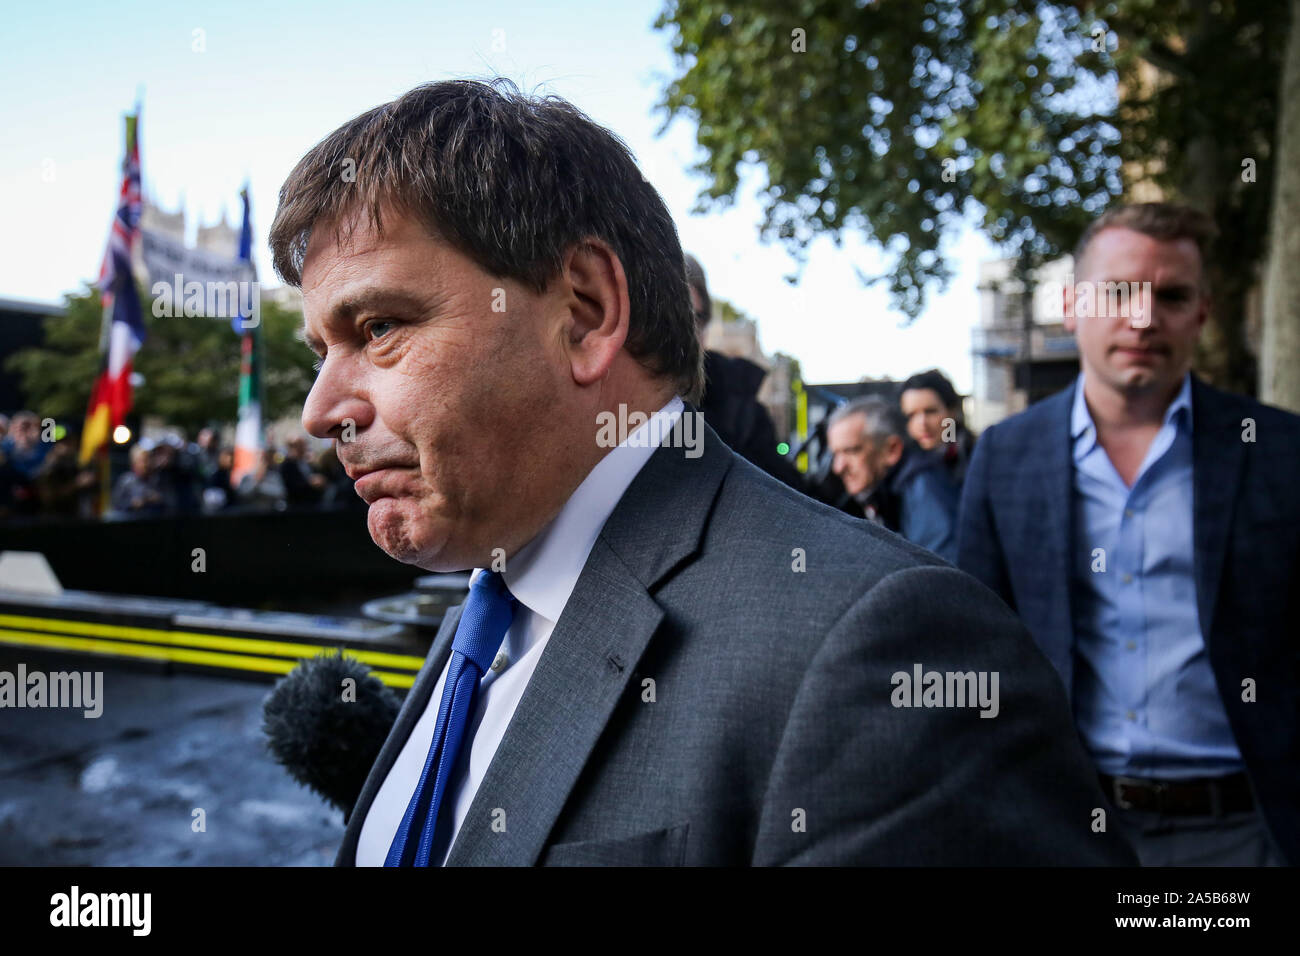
(326, 732)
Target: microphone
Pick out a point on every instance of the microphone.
(324, 737)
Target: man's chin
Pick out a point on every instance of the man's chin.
(1138, 379)
(393, 527)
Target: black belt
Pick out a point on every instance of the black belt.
(1205, 796)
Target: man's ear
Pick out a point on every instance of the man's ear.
(893, 450)
(1203, 312)
(599, 309)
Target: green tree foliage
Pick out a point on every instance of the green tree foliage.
(1201, 90)
(57, 376)
(190, 365)
(726, 311)
(897, 120)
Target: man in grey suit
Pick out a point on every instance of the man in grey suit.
(667, 657)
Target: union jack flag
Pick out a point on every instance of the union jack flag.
(123, 332)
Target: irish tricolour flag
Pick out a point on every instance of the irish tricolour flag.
(248, 430)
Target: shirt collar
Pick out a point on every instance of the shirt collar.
(1179, 410)
(1181, 406)
(543, 573)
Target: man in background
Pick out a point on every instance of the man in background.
(1147, 529)
(303, 486)
(22, 446)
(263, 487)
(137, 492)
(731, 384)
(890, 481)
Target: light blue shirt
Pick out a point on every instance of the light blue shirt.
(1145, 697)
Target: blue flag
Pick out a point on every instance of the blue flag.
(245, 255)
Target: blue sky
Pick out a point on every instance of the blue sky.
(274, 78)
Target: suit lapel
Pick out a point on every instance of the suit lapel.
(1217, 456)
(1049, 525)
(417, 699)
(582, 673)
(601, 635)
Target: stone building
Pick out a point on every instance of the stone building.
(1020, 349)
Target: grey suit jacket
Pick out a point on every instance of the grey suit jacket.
(719, 690)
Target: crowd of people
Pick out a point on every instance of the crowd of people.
(41, 476)
(897, 463)
(37, 474)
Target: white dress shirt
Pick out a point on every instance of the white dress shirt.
(541, 576)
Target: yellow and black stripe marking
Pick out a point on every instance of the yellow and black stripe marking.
(192, 648)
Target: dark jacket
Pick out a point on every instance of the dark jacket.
(17, 495)
(298, 489)
(916, 499)
(133, 495)
(1016, 535)
(955, 456)
(732, 409)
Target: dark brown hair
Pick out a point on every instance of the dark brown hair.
(511, 181)
(695, 280)
(937, 382)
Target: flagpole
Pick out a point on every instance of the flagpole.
(249, 438)
(105, 482)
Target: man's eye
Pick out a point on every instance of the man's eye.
(315, 366)
(372, 326)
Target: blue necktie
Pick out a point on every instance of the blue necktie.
(484, 622)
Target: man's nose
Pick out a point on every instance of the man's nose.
(335, 402)
(1143, 312)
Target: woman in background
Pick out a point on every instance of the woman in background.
(935, 421)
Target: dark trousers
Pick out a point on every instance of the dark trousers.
(1230, 839)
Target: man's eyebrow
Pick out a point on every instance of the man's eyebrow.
(383, 300)
(372, 300)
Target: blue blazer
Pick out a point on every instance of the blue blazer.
(1016, 535)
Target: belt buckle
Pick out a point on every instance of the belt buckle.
(1161, 789)
(1159, 786)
